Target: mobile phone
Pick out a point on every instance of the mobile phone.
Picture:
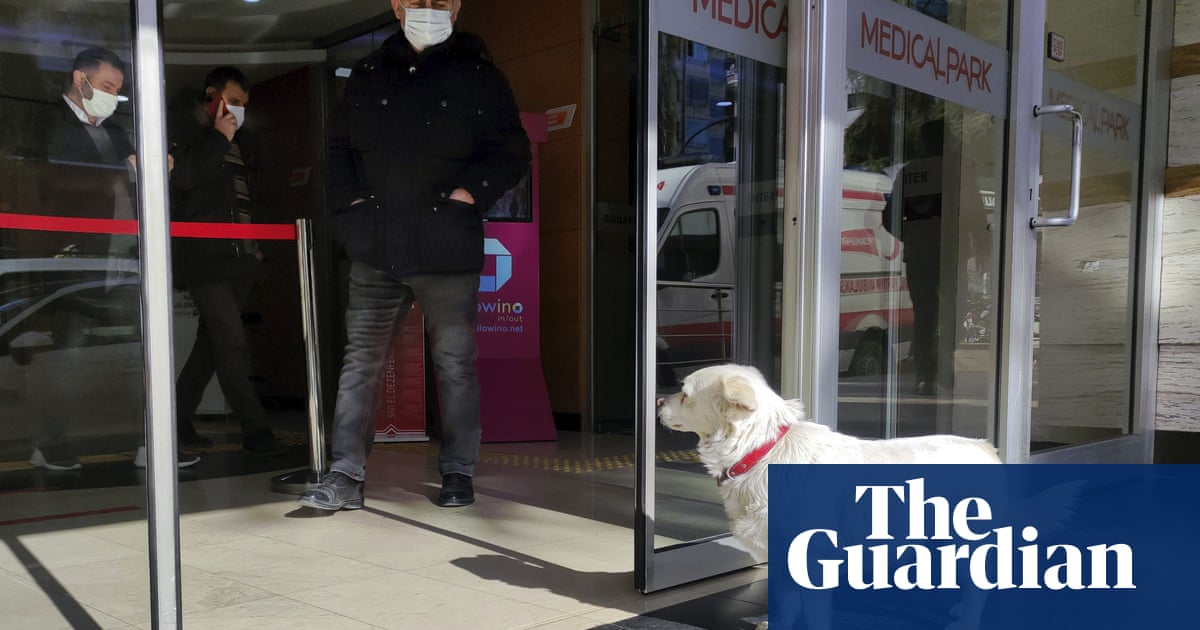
(213, 104)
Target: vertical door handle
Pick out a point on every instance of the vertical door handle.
(1076, 159)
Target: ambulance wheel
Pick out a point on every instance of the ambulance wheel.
(868, 357)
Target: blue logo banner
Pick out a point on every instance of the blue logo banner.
(989, 547)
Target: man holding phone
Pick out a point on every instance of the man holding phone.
(210, 183)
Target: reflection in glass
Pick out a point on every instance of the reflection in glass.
(71, 382)
(719, 256)
(918, 203)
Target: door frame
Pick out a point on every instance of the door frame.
(659, 568)
(819, 97)
(1019, 247)
(816, 68)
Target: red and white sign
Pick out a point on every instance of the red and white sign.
(889, 41)
(401, 415)
(560, 118)
(751, 28)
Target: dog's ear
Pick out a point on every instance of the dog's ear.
(739, 392)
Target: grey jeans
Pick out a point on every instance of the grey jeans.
(378, 304)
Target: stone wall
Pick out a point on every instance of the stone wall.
(1179, 331)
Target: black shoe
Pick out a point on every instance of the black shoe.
(263, 443)
(335, 492)
(457, 491)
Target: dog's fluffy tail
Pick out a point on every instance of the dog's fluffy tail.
(798, 407)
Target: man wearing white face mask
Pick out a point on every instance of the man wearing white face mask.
(427, 137)
(211, 183)
(89, 173)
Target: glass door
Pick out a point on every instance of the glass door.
(969, 303)
(711, 245)
(923, 165)
(1088, 201)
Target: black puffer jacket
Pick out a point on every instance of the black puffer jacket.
(409, 130)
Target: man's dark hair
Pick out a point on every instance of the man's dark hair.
(91, 59)
(220, 76)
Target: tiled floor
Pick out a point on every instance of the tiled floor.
(548, 544)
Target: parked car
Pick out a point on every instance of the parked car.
(70, 348)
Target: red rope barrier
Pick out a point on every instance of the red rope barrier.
(182, 229)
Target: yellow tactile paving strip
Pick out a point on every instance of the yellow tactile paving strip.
(516, 460)
(552, 464)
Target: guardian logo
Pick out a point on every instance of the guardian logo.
(976, 547)
(504, 265)
(967, 547)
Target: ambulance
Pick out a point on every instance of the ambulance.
(697, 239)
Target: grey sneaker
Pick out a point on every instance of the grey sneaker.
(336, 492)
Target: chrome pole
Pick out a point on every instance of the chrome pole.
(299, 481)
(154, 242)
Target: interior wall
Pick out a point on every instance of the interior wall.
(540, 45)
(1178, 417)
(288, 132)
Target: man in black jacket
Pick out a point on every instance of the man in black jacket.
(90, 161)
(426, 139)
(90, 172)
(210, 183)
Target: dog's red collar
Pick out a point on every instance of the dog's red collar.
(752, 458)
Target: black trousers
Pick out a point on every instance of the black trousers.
(220, 348)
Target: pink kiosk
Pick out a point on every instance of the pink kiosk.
(515, 405)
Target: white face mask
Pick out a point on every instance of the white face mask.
(427, 27)
(101, 105)
(239, 113)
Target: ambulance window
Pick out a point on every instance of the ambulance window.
(692, 248)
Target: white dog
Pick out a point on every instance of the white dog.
(744, 426)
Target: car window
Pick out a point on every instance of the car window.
(692, 248)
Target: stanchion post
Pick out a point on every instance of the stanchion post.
(299, 481)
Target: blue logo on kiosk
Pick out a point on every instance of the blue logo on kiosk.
(504, 266)
(1034, 546)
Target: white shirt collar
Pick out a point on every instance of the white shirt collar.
(79, 113)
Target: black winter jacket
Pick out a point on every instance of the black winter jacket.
(202, 190)
(412, 127)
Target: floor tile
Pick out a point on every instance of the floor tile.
(47, 606)
(404, 600)
(274, 613)
(58, 549)
(571, 576)
(276, 566)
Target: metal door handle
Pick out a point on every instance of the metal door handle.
(1076, 159)
(717, 295)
